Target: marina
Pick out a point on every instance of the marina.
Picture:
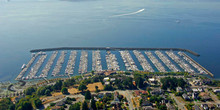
(153, 59)
(75, 62)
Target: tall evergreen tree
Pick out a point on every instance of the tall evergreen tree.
(93, 105)
(87, 95)
(85, 106)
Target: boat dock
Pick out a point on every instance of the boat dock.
(20, 76)
(71, 63)
(143, 62)
(59, 63)
(111, 60)
(166, 61)
(34, 70)
(96, 61)
(180, 62)
(83, 62)
(197, 65)
(154, 60)
(129, 62)
(48, 65)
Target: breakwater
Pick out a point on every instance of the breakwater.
(114, 48)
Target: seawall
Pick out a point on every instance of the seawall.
(113, 48)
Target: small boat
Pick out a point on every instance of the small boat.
(23, 66)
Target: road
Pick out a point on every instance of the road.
(179, 104)
(128, 94)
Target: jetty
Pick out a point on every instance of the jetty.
(114, 48)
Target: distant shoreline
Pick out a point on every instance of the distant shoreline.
(113, 48)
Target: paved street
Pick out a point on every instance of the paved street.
(180, 105)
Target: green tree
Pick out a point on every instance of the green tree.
(37, 103)
(82, 87)
(6, 104)
(96, 89)
(139, 81)
(58, 85)
(47, 92)
(93, 104)
(29, 91)
(75, 106)
(85, 106)
(41, 91)
(64, 90)
(162, 107)
(108, 88)
(87, 95)
(23, 105)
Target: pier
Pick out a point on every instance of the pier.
(36, 67)
(20, 76)
(83, 62)
(166, 61)
(180, 62)
(154, 60)
(48, 65)
(71, 63)
(129, 62)
(111, 61)
(58, 66)
(143, 62)
(96, 61)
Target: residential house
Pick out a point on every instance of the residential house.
(196, 107)
(179, 89)
(205, 106)
(216, 90)
(156, 91)
(185, 97)
(106, 79)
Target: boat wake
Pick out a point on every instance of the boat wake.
(129, 13)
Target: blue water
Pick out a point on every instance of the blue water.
(30, 24)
